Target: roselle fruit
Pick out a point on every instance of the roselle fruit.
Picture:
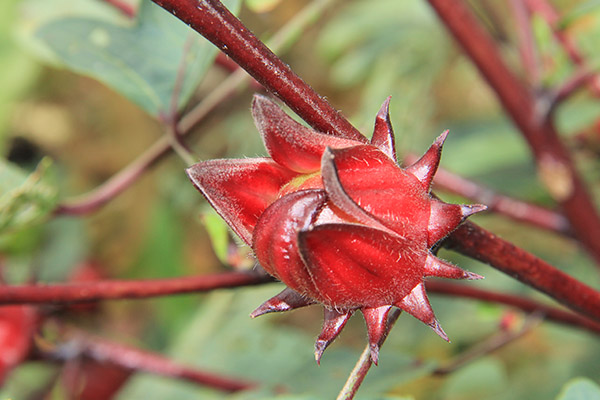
(337, 220)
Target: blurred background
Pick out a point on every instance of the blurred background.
(83, 88)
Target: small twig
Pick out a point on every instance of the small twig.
(549, 102)
(513, 208)
(527, 48)
(171, 118)
(81, 344)
(488, 346)
(553, 314)
(364, 363)
(547, 11)
(67, 293)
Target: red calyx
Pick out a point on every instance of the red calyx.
(338, 221)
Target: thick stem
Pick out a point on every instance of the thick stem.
(476, 242)
(66, 293)
(554, 163)
(530, 306)
(213, 21)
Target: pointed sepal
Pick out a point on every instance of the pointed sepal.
(376, 319)
(381, 188)
(290, 143)
(383, 134)
(333, 323)
(417, 305)
(240, 190)
(445, 218)
(442, 269)
(284, 301)
(425, 167)
(338, 196)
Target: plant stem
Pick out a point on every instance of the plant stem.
(81, 344)
(66, 293)
(530, 306)
(554, 163)
(364, 363)
(527, 49)
(213, 21)
(476, 242)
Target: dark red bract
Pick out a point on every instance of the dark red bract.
(337, 220)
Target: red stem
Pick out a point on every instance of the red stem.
(78, 292)
(526, 42)
(482, 245)
(522, 303)
(213, 21)
(144, 361)
(516, 209)
(554, 163)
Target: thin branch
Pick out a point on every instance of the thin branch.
(488, 346)
(553, 314)
(547, 11)
(555, 166)
(550, 100)
(516, 209)
(364, 363)
(527, 48)
(78, 292)
(98, 197)
(170, 119)
(476, 242)
(213, 21)
(81, 344)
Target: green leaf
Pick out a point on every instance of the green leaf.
(24, 199)
(141, 60)
(218, 233)
(580, 389)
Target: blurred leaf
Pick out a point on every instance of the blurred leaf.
(64, 245)
(161, 255)
(141, 61)
(477, 380)
(27, 380)
(17, 71)
(555, 65)
(580, 389)
(24, 199)
(262, 6)
(581, 10)
(223, 338)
